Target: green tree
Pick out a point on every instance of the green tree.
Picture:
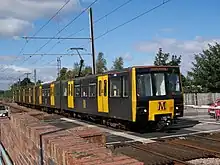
(118, 64)
(175, 61)
(26, 81)
(87, 70)
(39, 82)
(162, 59)
(206, 70)
(63, 72)
(101, 63)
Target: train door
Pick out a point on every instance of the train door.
(40, 95)
(19, 95)
(70, 94)
(29, 95)
(52, 99)
(24, 94)
(103, 94)
(34, 96)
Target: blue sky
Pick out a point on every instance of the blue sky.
(180, 27)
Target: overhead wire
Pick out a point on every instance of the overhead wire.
(134, 18)
(66, 26)
(42, 27)
(129, 21)
(96, 21)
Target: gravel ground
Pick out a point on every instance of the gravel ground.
(205, 161)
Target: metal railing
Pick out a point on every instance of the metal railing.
(4, 157)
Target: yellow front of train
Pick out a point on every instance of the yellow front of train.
(158, 95)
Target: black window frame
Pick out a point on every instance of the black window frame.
(110, 86)
(105, 88)
(100, 87)
(77, 86)
(123, 86)
(95, 90)
(84, 88)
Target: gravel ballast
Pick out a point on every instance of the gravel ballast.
(205, 161)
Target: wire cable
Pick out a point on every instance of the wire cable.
(96, 21)
(42, 27)
(129, 21)
(67, 25)
(134, 18)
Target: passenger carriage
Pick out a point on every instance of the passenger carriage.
(139, 94)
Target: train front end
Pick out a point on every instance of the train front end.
(159, 95)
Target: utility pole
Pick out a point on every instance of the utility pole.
(92, 40)
(35, 76)
(58, 66)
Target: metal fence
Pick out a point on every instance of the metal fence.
(200, 98)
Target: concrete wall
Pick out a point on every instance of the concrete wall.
(200, 98)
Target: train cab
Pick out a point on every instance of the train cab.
(159, 94)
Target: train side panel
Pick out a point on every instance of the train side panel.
(52, 95)
(63, 93)
(86, 100)
(120, 96)
(57, 92)
(46, 95)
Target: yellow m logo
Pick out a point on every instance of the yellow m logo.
(162, 106)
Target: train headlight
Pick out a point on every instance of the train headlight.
(145, 110)
(177, 108)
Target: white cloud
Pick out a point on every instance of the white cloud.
(186, 48)
(13, 72)
(8, 58)
(13, 26)
(16, 16)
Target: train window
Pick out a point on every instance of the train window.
(68, 90)
(84, 91)
(92, 90)
(160, 84)
(43, 92)
(65, 92)
(144, 85)
(72, 90)
(48, 92)
(173, 83)
(105, 87)
(77, 90)
(115, 87)
(125, 86)
(100, 87)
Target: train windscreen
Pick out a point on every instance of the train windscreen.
(164, 84)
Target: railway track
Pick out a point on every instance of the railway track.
(174, 151)
(168, 151)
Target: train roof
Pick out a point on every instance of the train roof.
(153, 66)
